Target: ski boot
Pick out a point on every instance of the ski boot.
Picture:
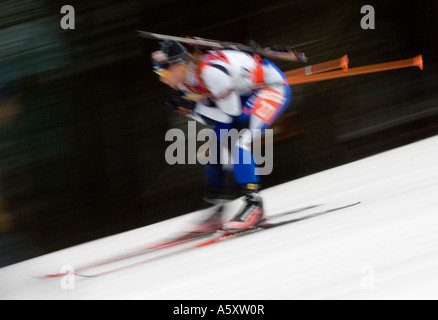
(251, 214)
(211, 223)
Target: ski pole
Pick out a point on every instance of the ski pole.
(413, 62)
(341, 63)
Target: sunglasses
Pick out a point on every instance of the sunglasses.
(162, 69)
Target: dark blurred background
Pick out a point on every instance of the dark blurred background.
(82, 126)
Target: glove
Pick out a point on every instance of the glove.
(300, 56)
(178, 104)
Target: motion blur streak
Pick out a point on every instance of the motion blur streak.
(83, 124)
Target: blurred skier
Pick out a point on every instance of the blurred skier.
(237, 90)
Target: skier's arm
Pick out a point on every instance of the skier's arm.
(178, 104)
(219, 83)
(202, 111)
(226, 101)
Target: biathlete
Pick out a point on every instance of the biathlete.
(238, 90)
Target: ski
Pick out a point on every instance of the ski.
(222, 236)
(253, 48)
(228, 235)
(172, 242)
(175, 241)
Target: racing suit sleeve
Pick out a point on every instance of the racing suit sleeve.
(219, 83)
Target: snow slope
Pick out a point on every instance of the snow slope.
(385, 248)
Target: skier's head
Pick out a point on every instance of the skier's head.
(170, 63)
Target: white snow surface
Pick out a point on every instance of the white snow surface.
(384, 248)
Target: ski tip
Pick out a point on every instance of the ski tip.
(49, 276)
(60, 275)
(342, 206)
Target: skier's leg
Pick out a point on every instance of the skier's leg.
(217, 178)
(267, 105)
(217, 173)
